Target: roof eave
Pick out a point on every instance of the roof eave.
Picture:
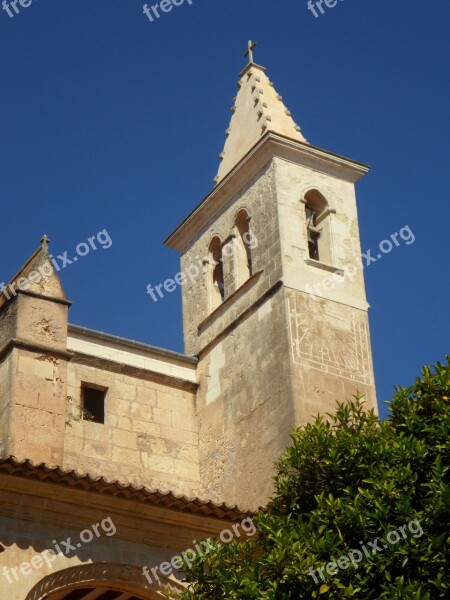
(270, 146)
(57, 475)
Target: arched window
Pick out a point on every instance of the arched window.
(216, 281)
(318, 227)
(243, 251)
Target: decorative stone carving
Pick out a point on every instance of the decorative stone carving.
(126, 578)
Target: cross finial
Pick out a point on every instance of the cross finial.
(249, 53)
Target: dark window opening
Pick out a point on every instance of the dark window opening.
(218, 280)
(93, 405)
(313, 234)
(217, 291)
(243, 228)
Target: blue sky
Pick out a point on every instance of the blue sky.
(111, 121)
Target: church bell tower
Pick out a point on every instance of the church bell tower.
(274, 304)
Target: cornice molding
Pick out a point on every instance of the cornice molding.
(270, 146)
(228, 302)
(113, 366)
(31, 347)
(246, 312)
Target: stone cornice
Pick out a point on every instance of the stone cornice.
(222, 308)
(31, 347)
(140, 373)
(270, 146)
(63, 301)
(119, 355)
(241, 317)
(99, 336)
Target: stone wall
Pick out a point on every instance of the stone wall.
(149, 436)
(6, 368)
(96, 535)
(25, 541)
(38, 406)
(293, 181)
(245, 406)
(330, 354)
(272, 355)
(244, 403)
(258, 198)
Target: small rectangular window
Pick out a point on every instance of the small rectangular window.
(93, 404)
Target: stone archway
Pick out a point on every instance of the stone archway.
(91, 593)
(98, 581)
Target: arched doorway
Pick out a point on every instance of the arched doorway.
(99, 581)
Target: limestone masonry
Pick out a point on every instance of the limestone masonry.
(176, 447)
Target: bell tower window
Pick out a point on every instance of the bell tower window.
(313, 233)
(243, 262)
(216, 278)
(318, 229)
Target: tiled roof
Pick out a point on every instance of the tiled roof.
(42, 472)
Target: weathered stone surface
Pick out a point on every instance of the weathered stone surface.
(289, 339)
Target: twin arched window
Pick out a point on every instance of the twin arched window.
(236, 251)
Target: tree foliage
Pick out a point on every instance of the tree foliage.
(345, 481)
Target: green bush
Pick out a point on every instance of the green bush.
(347, 483)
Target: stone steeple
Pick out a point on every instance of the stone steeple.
(33, 346)
(257, 109)
(36, 277)
(280, 329)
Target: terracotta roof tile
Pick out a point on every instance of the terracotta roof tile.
(26, 468)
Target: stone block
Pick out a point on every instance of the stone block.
(162, 416)
(142, 412)
(117, 406)
(145, 427)
(44, 369)
(184, 421)
(179, 435)
(128, 457)
(124, 439)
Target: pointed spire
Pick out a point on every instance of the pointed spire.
(257, 109)
(45, 241)
(38, 275)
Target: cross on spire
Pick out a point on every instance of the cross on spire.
(249, 53)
